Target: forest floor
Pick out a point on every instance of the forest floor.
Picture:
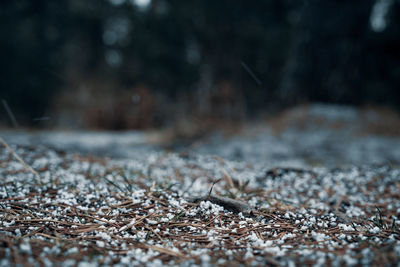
(292, 193)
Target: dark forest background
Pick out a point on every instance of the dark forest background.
(138, 64)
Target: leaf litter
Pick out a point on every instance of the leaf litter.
(159, 210)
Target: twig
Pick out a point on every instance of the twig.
(19, 159)
(230, 204)
(212, 186)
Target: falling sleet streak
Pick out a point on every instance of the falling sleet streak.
(250, 72)
(10, 113)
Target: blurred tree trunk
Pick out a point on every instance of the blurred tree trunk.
(329, 42)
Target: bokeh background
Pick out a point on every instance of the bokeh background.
(140, 64)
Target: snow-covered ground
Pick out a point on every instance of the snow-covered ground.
(87, 211)
(318, 190)
(316, 135)
(100, 143)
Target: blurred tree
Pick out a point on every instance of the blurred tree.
(335, 57)
(215, 58)
(381, 66)
(32, 54)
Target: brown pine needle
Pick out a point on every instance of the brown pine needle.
(19, 159)
(166, 251)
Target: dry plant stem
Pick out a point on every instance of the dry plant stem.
(19, 159)
(228, 179)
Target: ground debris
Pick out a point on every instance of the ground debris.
(91, 211)
(230, 204)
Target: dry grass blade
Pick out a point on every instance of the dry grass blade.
(229, 180)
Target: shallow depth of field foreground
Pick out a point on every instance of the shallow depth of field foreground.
(65, 209)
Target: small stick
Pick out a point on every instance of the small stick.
(230, 204)
(212, 186)
(19, 159)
